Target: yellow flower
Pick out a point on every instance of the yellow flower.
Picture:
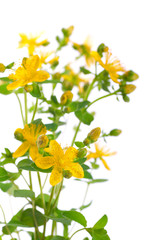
(27, 73)
(85, 49)
(61, 161)
(100, 153)
(66, 97)
(112, 65)
(2, 67)
(31, 42)
(30, 134)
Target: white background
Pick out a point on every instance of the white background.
(130, 29)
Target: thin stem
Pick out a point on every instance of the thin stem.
(76, 232)
(25, 179)
(21, 110)
(41, 191)
(76, 132)
(45, 180)
(30, 180)
(108, 95)
(6, 222)
(35, 109)
(86, 192)
(26, 108)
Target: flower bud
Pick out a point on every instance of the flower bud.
(67, 174)
(2, 67)
(42, 141)
(18, 134)
(131, 76)
(92, 136)
(28, 88)
(115, 132)
(66, 97)
(129, 88)
(82, 153)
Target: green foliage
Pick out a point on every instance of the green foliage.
(24, 193)
(36, 90)
(84, 116)
(5, 186)
(76, 216)
(3, 89)
(29, 165)
(51, 127)
(84, 70)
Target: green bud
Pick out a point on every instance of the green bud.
(18, 134)
(115, 132)
(82, 153)
(67, 174)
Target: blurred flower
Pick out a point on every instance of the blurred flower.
(2, 67)
(27, 73)
(66, 97)
(112, 64)
(31, 42)
(30, 135)
(61, 161)
(85, 50)
(100, 152)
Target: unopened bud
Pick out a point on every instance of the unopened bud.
(28, 88)
(131, 76)
(2, 67)
(18, 134)
(129, 88)
(82, 153)
(42, 141)
(66, 97)
(115, 132)
(92, 136)
(70, 30)
(67, 174)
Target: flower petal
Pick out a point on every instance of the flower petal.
(105, 164)
(32, 63)
(55, 150)
(75, 169)
(70, 155)
(40, 76)
(56, 176)
(33, 152)
(21, 150)
(44, 162)
(14, 85)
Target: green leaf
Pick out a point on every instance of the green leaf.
(5, 186)
(100, 234)
(6, 161)
(24, 193)
(27, 218)
(84, 70)
(51, 127)
(5, 79)
(36, 91)
(39, 202)
(101, 222)
(58, 216)
(76, 216)
(87, 174)
(84, 116)
(97, 181)
(3, 89)
(85, 206)
(9, 66)
(25, 164)
(74, 106)
(3, 175)
(79, 144)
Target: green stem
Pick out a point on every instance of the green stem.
(76, 232)
(76, 132)
(21, 110)
(35, 109)
(86, 192)
(108, 95)
(30, 180)
(6, 222)
(26, 108)
(41, 191)
(45, 180)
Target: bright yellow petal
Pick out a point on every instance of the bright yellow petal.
(92, 155)
(70, 155)
(21, 150)
(33, 152)
(45, 162)
(40, 76)
(105, 164)
(76, 170)
(32, 63)
(55, 150)
(14, 85)
(56, 176)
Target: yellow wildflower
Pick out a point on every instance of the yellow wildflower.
(100, 153)
(27, 73)
(85, 49)
(112, 65)
(31, 42)
(60, 161)
(66, 97)
(30, 135)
